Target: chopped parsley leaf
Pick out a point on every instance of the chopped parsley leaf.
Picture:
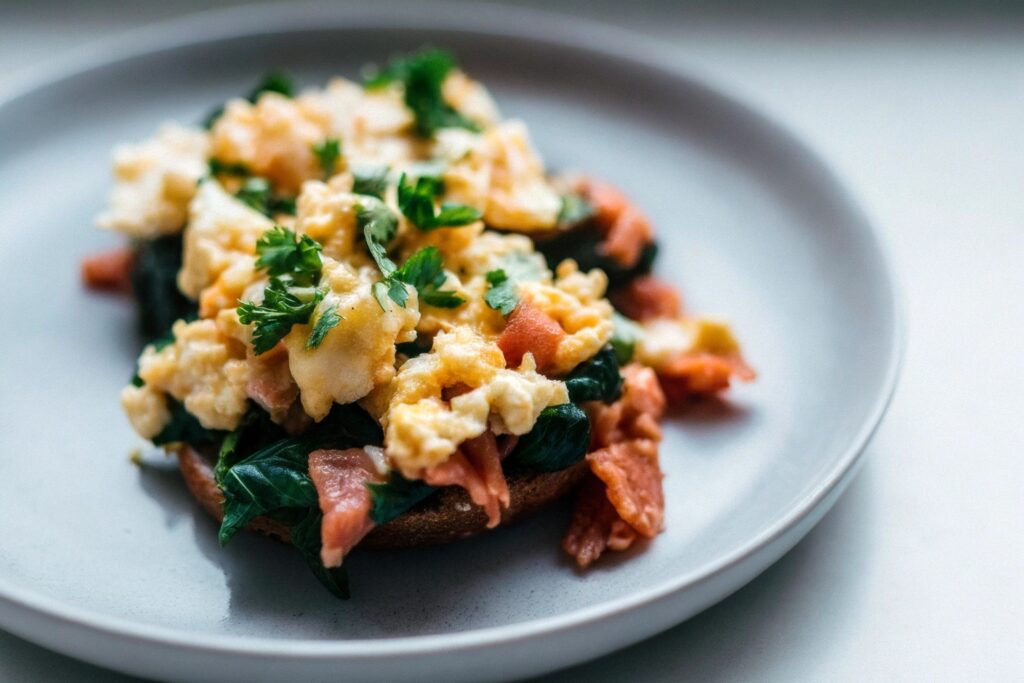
(327, 153)
(218, 167)
(257, 195)
(280, 252)
(425, 271)
(501, 295)
(422, 74)
(370, 181)
(515, 267)
(379, 226)
(417, 204)
(325, 322)
(273, 81)
(282, 308)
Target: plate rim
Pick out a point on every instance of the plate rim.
(557, 29)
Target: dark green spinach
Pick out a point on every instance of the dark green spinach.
(559, 439)
(397, 496)
(184, 427)
(597, 379)
(155, 286)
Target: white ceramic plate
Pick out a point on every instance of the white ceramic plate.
(115, 565)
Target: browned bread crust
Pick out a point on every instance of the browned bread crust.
(448, 516)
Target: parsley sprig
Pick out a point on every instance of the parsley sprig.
(256, 194)
(379, 226)
(422, 74)
(515, 267)
(501, 293)
(417, 204)
(371, 181)
(280, 253)
(424, 270)
(325, 322)
(292, 295)
(327, 153)
(282, 308)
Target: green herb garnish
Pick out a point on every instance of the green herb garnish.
(425, 271)
(326, 321)
(257, 194)
(282, 253)
(501, 295)
(370, 181)
(423, 75)
(515, 267)
(281, 309)
(218, 167)
(417, 204)
(327, 153)
(273, 81)
(379, 226)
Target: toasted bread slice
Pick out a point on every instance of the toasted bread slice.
(446, 517)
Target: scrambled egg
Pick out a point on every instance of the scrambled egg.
(359, 353)
(202, 368)
(427, 404)
(423, 428)
(327, 213)
(575, 301)
(274, 138)
(221, 234)
(666, 338)
(155, 180)
(501, 173)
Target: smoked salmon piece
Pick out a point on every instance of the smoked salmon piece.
(595, 525)
(530, 329)
(625, 498)
(271, 385)
(701, 374)
(340, 478)
(109, 270)
(476, 467)
(632, 478)
(626, 229)
(646, 298)
(635, 415)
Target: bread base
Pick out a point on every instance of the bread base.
(446, 517)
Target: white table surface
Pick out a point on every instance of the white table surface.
(917, 573)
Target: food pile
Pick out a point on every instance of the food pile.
(371, 313)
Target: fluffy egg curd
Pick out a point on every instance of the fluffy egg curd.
(361, 298)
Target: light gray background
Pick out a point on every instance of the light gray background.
(916, 574)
